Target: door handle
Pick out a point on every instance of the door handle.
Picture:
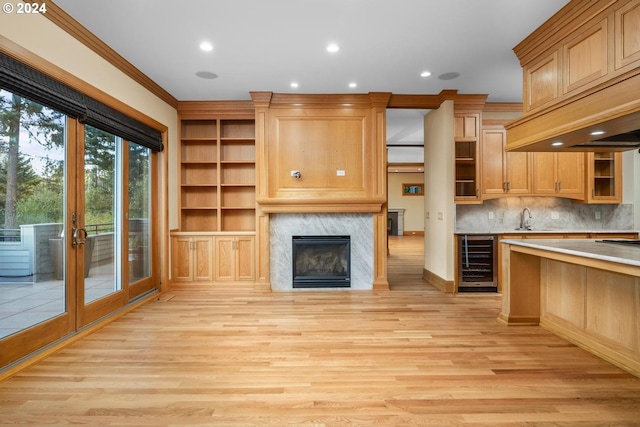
(79, 234)
(76, 238)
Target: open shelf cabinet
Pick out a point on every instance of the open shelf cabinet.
(217, 175)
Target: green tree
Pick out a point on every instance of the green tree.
(21, 117)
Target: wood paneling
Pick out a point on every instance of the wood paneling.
(564, 286)
(336, 142)
(613, 307)
(586, 57)
(581, 70)
(627, 36)
(542, 83)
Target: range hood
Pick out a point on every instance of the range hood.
(581, 80)
(603, 119)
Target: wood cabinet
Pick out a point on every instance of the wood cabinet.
(235, 258)
(217, 194)
(192, 258)
(503, 173)
(217, 175)
(581, 71)
(467, 161)
(559, 174)
(603, 178)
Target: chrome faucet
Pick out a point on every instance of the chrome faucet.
(524, 223)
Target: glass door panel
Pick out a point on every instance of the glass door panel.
(32, 208)
(139, 212)
(101, 215)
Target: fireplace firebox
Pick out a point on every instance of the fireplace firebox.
(321, 261)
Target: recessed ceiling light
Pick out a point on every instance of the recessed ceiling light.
(353, 85)
(294, 85)
(557, 143)
(206, 47)
(333, 48)
(425, 74)
(597, 132)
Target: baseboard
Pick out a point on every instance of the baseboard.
(413, 233)
(446, 286)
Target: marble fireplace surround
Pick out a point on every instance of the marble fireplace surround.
(282, 226)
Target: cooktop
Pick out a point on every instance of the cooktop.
(621, 241)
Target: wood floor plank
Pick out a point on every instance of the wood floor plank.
(411, 356)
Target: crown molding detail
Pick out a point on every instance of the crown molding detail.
(63, 20)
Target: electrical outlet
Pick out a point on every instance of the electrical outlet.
(427, 215)
(555, 215)
(598, 215)
(341, 172)
(491, 215)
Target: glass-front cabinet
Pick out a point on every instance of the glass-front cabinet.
(604, 177)
(467, 162)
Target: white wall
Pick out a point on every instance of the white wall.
(39, 35)
(413, 205)
(439, 184)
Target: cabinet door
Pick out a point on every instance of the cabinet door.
(604, 177)
(202, 258)
(570, 174)
(225, 259)
(245, 258)
(467, 161)
(544, 179)
(518, 171)
(181, 260)
(493, 162)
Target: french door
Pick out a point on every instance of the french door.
(81, 242)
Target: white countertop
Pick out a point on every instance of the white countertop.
(537, 231)
(587, 248)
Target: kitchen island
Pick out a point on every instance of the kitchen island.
(585, 291)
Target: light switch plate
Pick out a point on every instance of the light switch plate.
(555, 215)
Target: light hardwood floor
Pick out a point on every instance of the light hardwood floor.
(412, 356)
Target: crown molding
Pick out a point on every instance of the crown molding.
(63, 20)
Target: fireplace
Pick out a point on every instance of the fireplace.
(321, 261)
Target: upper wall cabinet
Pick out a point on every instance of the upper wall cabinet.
(603, 178)
(582, 59)
(467, 157)
(503, 173)
(581, 71)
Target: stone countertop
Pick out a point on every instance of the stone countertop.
(587, 248)
(537, 231)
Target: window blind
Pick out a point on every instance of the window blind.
(37, 86)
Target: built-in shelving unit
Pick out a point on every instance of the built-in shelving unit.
(217, 175)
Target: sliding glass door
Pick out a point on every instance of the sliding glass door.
(76, 232)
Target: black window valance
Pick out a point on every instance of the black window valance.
(30, 83)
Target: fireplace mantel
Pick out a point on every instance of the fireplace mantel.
(319, 205)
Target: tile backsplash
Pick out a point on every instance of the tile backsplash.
(547, 213)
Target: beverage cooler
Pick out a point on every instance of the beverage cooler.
(477, 263)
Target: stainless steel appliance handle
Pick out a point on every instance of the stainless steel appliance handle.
(466, 251)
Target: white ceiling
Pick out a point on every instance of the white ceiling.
(264, 45)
